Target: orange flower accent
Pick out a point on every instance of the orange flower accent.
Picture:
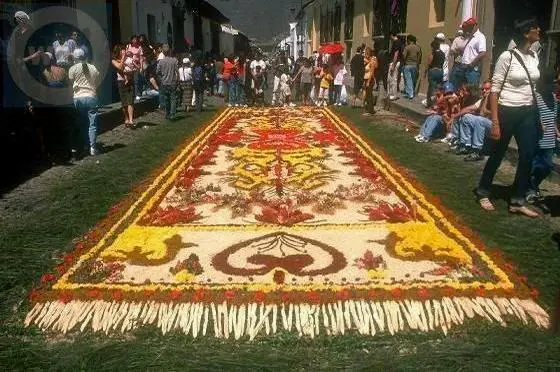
(94, 293)
(34, 294)
(423, 293)
(480, 292)
(373, 294)
(47, 278)
(117, 295)
(259, 296)
(65, 297)
(175, 294)
(397, 293)
(343, 294)
(535, 293)
(229, 294)
(314, 297)
(448, 292)
(149, 292)
(285, 297)
(198, 295)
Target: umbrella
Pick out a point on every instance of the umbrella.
(332, 48)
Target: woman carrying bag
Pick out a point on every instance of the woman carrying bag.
(514, 113)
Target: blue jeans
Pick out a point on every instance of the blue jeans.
(233, 90)
(410, 73)
(475, 129)
(170, 100)
(435, 77)
(87, 108)
(461, 74)
(521, 123)
(432, 127)
(542, 167)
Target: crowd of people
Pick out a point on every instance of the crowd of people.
(519, 101)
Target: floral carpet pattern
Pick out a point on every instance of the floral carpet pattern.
(279, 219)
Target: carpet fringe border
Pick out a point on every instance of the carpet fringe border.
(310, 320)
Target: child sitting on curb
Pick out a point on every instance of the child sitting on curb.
(445, 107)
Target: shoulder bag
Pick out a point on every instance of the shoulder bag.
(533, 91)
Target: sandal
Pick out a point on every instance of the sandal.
(486, 204)
(523, 210)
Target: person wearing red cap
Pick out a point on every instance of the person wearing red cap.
(469, 69)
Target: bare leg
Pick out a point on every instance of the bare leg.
(130, 109)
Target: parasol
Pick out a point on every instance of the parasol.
(332, 48)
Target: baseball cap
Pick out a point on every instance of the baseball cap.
(448, 87)
(186, 60)
(470, 22)
(440, 36)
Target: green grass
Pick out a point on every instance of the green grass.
(31, 241)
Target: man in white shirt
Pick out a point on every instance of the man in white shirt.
(444, 47)
(469, 69)
(253, 66)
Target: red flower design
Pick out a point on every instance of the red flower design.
(172, 216)
(369, 261)
(384, 211)
(283, 215)
(280, 139)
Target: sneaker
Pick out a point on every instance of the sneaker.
(137, 98)
(229, 105)
(392, 98)
(422, 139)
(448, 139)
(237, 105)
(93, 151)
(463, 150)
(474, 156)
(292, 105)
(425, 102)
(417, 136)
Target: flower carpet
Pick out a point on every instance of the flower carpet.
(279, 220)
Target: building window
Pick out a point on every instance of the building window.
(151, 21)
(337, 22)
(437, 13)
(349, 20)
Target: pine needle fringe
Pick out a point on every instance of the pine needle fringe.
(309, 320)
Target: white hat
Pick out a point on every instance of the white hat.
(440, 36)
(21, 17)
(79, 53)
(186, 60)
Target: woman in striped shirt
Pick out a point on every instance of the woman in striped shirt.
(548, 111)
